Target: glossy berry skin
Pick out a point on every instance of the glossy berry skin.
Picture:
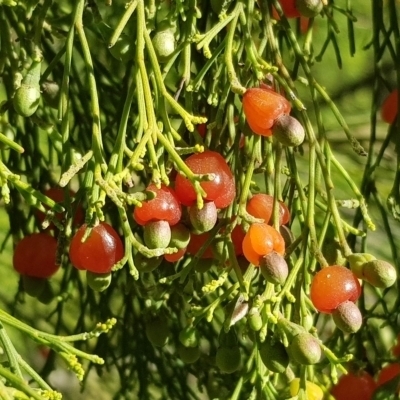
(261, 239)
(35, 256)
(100, 251)
(165, 206)
(333, 285)
(221, 190)
(262, 107)
(261, 206)
(352, 386)
(58, 195)
(389, 107)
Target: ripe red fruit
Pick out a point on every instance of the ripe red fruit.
(58, 195)
(387, 373)
(333, 285)
(99, 252)
(359, 386)
(175, 256)
(165, 206)
(261, 205)
(289, 8)
(221, 190)
(389, 107)
(197, 242)
(35, 256)
(262, 107)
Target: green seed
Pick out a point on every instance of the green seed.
(347, 317)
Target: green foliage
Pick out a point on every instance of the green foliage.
(107, 97)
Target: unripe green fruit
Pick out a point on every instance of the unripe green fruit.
(32, 285)
(188, 355)
(379, 273)
(189, 336)
(98, 282)
(274, 356)
(157, 331)
(357, 261)
(228, 359)
(288, 131)
(27, 96)
(47, 294)
(205, 219)
(122, 49)
(333, 252)
(254, 319)
(51, 93)
(157, 234)
(274, 268)
(180, 236)
(347, 317)
(144, 264)
(305, 349)
(309, 8)
(164, 44)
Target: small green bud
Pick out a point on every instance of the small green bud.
(188, 355)
(32, 285)
(379, 273)
(305, 349)
(157, 234)
(288, 131)
(98, 282)
(274, 268)
(357, 261)
(205, 219)
(164, 44)
(228, 359)
(309, 8)
(254, 319)
(347, 317)
(180, 236)
(189, 336)
(274, 356)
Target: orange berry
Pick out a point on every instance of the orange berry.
(261, 239)
(249, 253)
(261, 205)
(389, 107)
(262, 107)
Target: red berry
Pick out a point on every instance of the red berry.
(99, 252)
(352, 386)
(332, 286)
(262, 107)
(389, 107)
(202, 129)
(165, 206)
(387, 373)
(221, 190)
(35, 256)
(261, 205)
(237, 236)
(289, 8)
(197, 242)
(175, 256)
(58, 195)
